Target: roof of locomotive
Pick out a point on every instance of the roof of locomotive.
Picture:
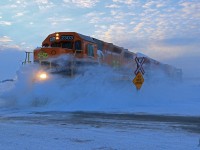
(87, 38)
(84, 37)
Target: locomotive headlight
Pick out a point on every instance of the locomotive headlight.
(42, 76)
(57, 36)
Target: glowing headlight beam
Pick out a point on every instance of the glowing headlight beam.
(43, 76)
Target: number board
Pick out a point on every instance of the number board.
(67, 37)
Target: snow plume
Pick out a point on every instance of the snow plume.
(93, 85)
(100, 89)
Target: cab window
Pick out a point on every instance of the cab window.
(78, 46)
(55, 45)
(45, 45)
(68, 45)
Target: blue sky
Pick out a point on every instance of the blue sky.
(168, 31)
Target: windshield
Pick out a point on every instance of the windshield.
(55, 45)
(68, 45)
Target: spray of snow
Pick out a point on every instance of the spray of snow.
(100, 89)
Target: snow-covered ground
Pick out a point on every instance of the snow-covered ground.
(24, 136)
(96, 91)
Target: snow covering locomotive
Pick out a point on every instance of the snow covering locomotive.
(65, 52)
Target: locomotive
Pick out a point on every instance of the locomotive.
(66, 52)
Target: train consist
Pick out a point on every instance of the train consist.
(66, 52)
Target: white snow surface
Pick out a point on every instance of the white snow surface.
(45, 137)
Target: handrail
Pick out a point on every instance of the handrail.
(27, 58)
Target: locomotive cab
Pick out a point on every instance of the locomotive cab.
(64, 51)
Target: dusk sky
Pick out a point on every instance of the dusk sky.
(166, 30)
